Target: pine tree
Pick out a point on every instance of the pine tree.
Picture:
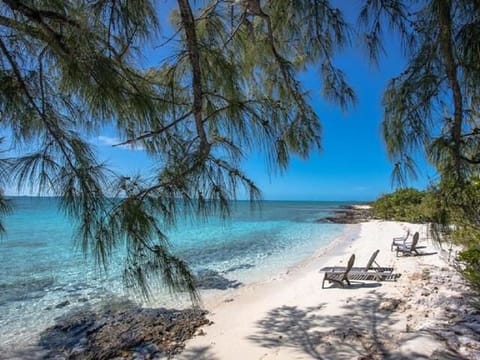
(433, 106)
(229, 86)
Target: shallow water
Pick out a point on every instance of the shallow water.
(42, 276)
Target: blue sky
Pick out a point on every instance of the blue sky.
(353, 164)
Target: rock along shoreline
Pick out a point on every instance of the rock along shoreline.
(348, 214)
(128, 332)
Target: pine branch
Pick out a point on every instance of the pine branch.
(155, 132)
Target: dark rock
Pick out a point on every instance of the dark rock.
(126, 333)
(348, 215)
(62, 304)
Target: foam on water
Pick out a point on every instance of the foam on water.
(43, 277)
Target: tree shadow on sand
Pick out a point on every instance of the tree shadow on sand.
(353, 285)
(197, 353)
(362, 331)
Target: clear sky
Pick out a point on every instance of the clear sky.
(353, 163)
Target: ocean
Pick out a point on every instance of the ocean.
(43, 276)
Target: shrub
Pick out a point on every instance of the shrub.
(401, 205)
(471, 259)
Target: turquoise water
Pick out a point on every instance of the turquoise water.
(42, 276)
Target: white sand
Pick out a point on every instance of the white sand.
(292, 317)
(362, 207)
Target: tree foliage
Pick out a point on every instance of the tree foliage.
(229, 86)
(463, 204)
(433, 105)
(409, 205)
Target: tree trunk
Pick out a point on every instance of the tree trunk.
(446, 47)
(188, 22)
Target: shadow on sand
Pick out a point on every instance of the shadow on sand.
(362, 331)
(354, 285)
(198, 353)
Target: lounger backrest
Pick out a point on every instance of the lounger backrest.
(408, 234)
(350, 264)
(372, 259)
(415, 240)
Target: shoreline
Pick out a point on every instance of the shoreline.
(425, 314)
(292, 317)
(66, 311)
(349, 233)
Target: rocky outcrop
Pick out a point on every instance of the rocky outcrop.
(348, 214)
(130, 333)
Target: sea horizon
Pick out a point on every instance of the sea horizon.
(347, 202)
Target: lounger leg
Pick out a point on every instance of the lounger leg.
(323, 282)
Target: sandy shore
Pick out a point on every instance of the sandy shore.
(425, 314)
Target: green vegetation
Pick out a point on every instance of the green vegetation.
(453, 211)
(433, 108)
(409, 205)
(471, 259)
(402, 205)
(463, 206)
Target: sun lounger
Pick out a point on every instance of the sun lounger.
(368, 272)
(339, 277)
(372, 276)
(409, 249)
(400, 240)
(368, 267)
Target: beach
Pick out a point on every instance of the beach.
(262, 296)
(424, 314)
